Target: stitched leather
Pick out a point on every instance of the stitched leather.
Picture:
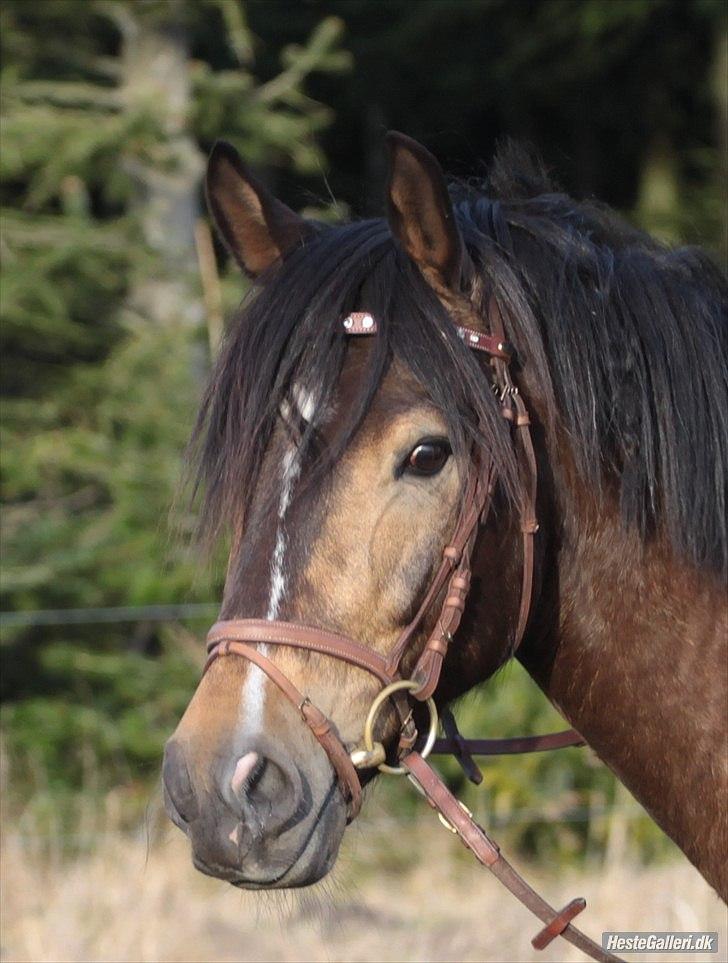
(487, 852)
(300, 636)
(558, 924)
(491, 344)
(359, 322)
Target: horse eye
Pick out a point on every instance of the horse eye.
(428, 457)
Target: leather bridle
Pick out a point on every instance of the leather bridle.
(241, 636)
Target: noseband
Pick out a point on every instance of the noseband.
(241, 636)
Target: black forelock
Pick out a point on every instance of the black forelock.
(626, 338)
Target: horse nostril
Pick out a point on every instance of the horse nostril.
(177, 783)
(244, 769)
(264, 789)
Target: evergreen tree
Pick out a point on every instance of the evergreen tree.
(108, 111)
(624, 99)
(110, 295)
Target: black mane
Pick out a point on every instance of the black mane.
(626, 338)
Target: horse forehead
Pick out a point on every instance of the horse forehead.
(400, 411)
(399, 399)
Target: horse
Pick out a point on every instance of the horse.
(337, 441)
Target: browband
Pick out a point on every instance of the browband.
(363, 322)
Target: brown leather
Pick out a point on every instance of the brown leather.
(455, 565)
(515, 411)
(301, 637)
(558, 924)
(487, 852)
(440, 798)
(493, 344)
(320, 725)
(458, 746)
(239, 636)
(505, 747)
(359, 322)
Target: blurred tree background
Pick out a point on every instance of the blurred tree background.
(114, 294)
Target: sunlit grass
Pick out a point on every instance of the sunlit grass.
(403, 890)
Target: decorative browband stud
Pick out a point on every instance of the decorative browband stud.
(495, 347)
(359, 322)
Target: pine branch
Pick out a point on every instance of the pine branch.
(28, 231)
(318, 54)
(74, 94)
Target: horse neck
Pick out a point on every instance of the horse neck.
(632, 651)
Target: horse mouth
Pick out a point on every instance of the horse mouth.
(311, 860)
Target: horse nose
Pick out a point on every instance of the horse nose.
(264, 787)
(234, 813)
(179, 795)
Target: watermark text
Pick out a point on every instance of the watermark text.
(654, 942)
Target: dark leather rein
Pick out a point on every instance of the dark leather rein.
(241, 636)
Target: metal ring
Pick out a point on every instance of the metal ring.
(387, 691)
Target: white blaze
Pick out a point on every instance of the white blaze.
(253, 689)
(305, 402)
(291, 468)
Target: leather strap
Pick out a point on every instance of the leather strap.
(429, 665)
(514, 410)
(438, 795)
(487, 852)
(359, 322)
(493, 344)
(458, 746)
(300, 637)
(239, 637)
(319, 724)
(455, 562)
(508, 747)
(558, 924)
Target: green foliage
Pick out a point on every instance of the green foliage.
(115, 706)
(106, 117)
(99, 397)
(275, 120)
(550, 805)
(104, 341)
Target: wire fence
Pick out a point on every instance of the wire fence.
(122, 613)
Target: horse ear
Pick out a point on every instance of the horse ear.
(256, 227)
(420, 211)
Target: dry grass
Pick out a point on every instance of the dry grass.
(401, 892)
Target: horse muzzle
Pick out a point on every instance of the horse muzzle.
(255, 820)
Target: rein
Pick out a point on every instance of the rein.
(240, 637)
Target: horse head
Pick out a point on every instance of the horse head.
(342, 427)
(370, 440)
